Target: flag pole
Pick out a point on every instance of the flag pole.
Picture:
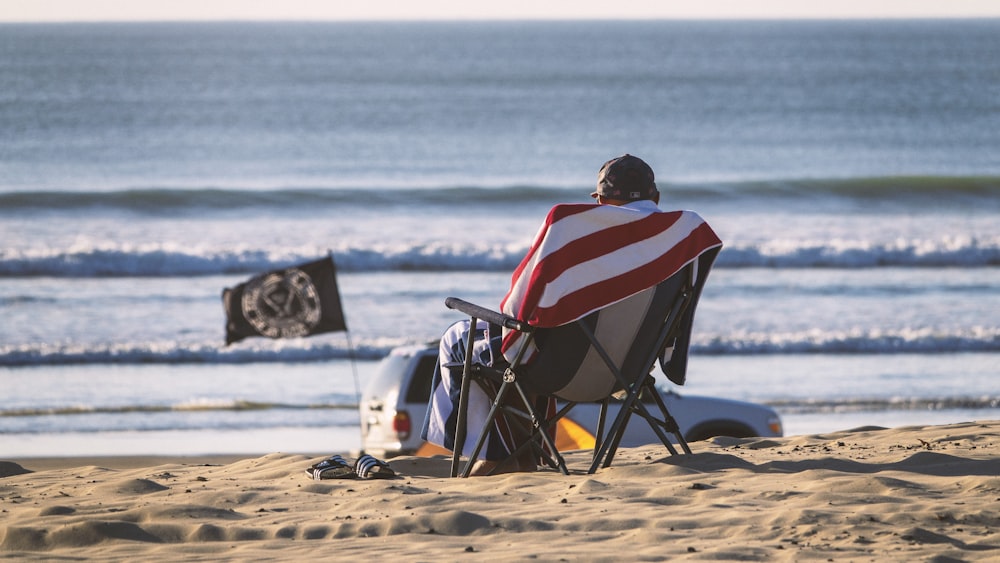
(357, 384)
(354, 368)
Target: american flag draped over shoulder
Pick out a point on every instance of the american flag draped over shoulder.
(588, 256)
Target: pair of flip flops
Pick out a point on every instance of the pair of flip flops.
(336, 467)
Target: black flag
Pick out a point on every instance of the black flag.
(297, 301)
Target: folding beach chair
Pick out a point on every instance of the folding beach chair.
(610, 352)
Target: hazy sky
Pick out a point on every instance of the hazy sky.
(97, 10)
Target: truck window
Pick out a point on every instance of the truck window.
(420, 385)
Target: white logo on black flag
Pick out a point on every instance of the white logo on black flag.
(297, 301)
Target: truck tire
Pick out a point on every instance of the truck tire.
(714, 428)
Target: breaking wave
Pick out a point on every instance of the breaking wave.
(164, 261)
(976, 339)
(907, 341)
(287, 351)
(830, 406)
(912, 191)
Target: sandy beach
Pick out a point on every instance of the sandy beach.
(870, 494)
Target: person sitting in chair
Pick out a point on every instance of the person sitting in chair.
(584, 257)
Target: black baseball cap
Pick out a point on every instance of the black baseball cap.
(627, 178)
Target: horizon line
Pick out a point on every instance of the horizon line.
(762, 18)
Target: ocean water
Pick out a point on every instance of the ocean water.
(851, 168)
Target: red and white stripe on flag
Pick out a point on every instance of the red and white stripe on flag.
(588, 256)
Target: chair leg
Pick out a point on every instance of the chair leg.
(631, 404)
(536, 433)
(601, 425)
(481, 440)
(660, 426)
(463, 398)
(640, 409)
(669, 420)
(616, 439)
(538, 430)
(540, 427)
(524, 427)
(655, 425)
(606, 442)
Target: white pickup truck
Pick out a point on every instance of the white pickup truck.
(394, 403)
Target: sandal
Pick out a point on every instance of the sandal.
(333, 467)
(367, 467)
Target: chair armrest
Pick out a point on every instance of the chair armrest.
(492, 373)
(485, 314)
